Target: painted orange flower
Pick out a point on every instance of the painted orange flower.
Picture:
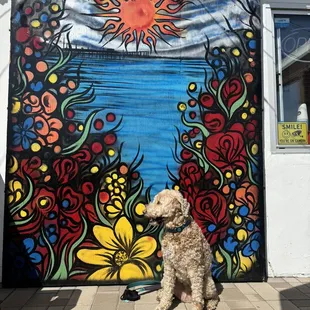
(47, 129)
(246, 197)
(33, 105)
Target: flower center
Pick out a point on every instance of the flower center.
(120, 258)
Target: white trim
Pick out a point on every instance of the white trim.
(270, 81)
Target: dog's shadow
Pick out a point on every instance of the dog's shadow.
(176, 301)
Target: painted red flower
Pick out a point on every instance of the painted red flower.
(226, 150)
(30, 167)
(232, 91)
(190, 174)
(252, 130)
(214, 122)
(66, 169)
(210, 213)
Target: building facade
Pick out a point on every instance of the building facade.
(112, 101)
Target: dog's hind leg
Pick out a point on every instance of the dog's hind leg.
(210, 294)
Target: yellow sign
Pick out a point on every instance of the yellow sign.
(292, 133)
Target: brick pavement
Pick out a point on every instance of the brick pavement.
(277, 294)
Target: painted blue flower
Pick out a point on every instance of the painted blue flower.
(253, 245)
(230, 244)
(50, 233)
(35, 257)
(23, 135)
(21, 265)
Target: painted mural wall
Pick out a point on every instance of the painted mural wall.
(111, 101)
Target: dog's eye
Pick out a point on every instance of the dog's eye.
(158, 203)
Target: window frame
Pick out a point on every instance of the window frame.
(270, 66)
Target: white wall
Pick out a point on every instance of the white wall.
(5, 13)
(287, 182)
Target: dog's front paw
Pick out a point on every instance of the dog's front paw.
(212, 303)
(159, 294)
(197, 306)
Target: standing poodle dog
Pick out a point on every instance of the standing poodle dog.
(186, 253)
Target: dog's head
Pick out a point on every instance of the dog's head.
(168, 208)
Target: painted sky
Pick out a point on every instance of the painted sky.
(200, 18)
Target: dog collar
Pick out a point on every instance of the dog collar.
(179, 228)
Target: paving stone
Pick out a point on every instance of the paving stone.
(232, 294)
(84, 298)
(281, 286)
(304, 289)
(266, 291)
(50, 300)
(282, 305)
(108, 289)
(239, 304)
(261, 305)
(56, 308)
(304, 280)
(144, 306)
(18, 298)
(304, 308)
(294, 293)
(147, 298)
(228, 285)
(276, 280)
(79, 307)
(245, 289)
(301, 302)
(48, 289)
(126, 305)
(110, 301)
(255, 297)
(222, 306)
(4, 293)
(34, 308)
(291, 280)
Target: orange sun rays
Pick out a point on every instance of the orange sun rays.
(140, 20)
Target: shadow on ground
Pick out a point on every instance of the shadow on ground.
(293, 296)
(33, 298)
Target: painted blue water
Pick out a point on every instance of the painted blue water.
(145, 92)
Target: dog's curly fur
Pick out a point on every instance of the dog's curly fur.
(187, 255)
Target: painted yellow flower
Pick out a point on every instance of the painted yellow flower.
(114, 208)
(120, 258)
(16, 191)
(116, 185)
(246, 263)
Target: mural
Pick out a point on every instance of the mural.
(110, 102)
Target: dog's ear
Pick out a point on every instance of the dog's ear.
(185, 207)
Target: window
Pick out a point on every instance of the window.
(292, 44)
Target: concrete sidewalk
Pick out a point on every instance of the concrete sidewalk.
(277, 294)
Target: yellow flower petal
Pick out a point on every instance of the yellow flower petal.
(121, 180)
(99, 257)
(10, 198)
(110, 187)
(106, 236)
(108, 180)
(124, 232)
(118, 204)
(18, 196)
(139, 270)
(144, 247)
(112, 209)
(103, 274)
(123, 194)
(114, 176)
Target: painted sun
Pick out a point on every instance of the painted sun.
(140, 21)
